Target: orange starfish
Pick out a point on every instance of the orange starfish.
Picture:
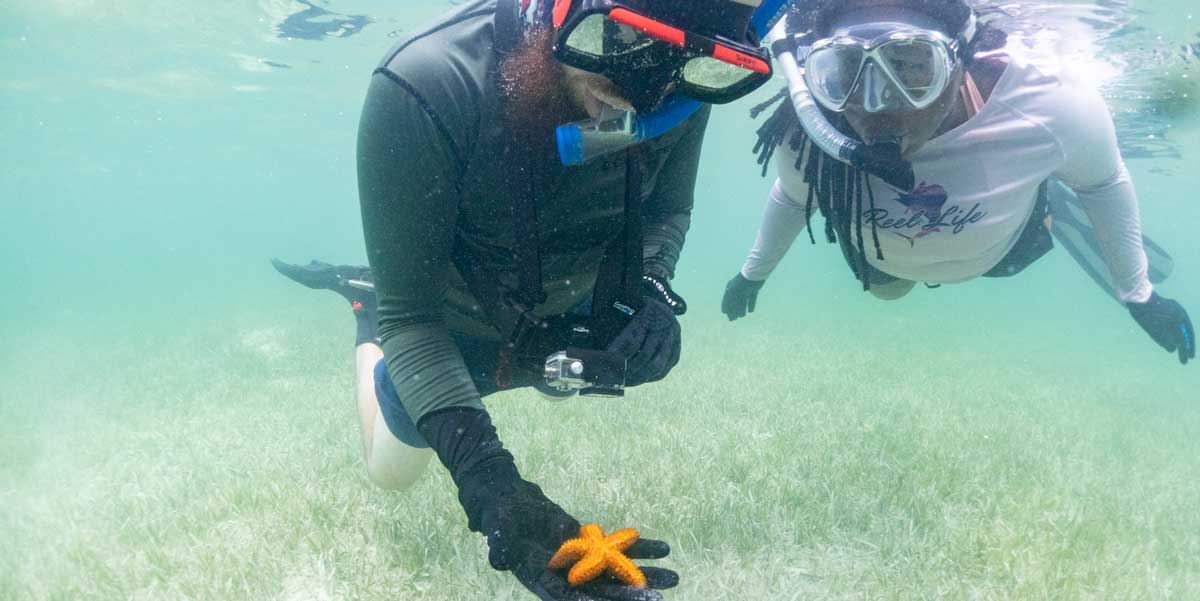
(593, 554)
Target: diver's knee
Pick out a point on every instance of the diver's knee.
(893, 290)
(398, 473)
(386, 479)
(393, 464)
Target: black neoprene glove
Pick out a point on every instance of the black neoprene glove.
(1168, 324)
(651, 341)
(741, 296)
(522, 526)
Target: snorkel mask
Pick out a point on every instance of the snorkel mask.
(890, 66)
(666, 69)
(876, 65)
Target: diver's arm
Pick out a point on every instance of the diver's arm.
(1112, 207)
(783, 217)
(667, 213)
(1095, 171)
(407, 177)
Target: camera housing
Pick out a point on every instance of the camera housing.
(587, 371)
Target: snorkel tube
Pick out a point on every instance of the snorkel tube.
(614, 129)
(791, 47)
(819, 129)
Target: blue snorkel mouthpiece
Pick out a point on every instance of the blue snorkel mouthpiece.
(616, 130)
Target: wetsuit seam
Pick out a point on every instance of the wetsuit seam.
(436, 29)
(428, 109)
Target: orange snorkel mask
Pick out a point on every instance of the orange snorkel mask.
(632, 44)
(666, 70)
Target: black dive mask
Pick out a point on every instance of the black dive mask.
(649, 58)
(646, 79)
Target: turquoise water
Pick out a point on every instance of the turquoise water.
(157, 154)
(145, 164)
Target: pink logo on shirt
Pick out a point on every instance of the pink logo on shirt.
(926, 198)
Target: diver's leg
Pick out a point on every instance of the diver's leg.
(366, 355)
(894, 290)
(391, 463)
(395, 460)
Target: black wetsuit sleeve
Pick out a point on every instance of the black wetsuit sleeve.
(408, 172)
(668, 211)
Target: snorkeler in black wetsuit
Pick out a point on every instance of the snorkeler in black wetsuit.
(475, 230)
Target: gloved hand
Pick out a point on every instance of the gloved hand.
(741, 295)
(523, 528)
(1168, 324)
(650, 343)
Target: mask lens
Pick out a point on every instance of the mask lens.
(649, 59)
(832, 72)
(597, 36)
(715, 75)
(916, 67)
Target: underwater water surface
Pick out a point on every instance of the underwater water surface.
(177, 421)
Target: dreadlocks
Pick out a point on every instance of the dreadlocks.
(837, 189)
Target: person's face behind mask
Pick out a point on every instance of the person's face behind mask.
(876, 109)
(542, 93)
(642, 70)
(913, 127)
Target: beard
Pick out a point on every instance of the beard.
(533, 90)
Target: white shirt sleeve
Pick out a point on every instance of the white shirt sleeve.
(1096, 172)
(783, 218)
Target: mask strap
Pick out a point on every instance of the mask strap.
(971, 96)
(561, 8)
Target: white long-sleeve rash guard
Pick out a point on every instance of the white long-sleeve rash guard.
(977, 187)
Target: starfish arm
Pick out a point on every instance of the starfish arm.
(624, 569)
(623, 538)
(569, 553)
(588, 568)
(591, 532)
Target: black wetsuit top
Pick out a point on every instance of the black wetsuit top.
(432, 183)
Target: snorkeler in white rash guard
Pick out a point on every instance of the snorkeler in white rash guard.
(935, 157)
